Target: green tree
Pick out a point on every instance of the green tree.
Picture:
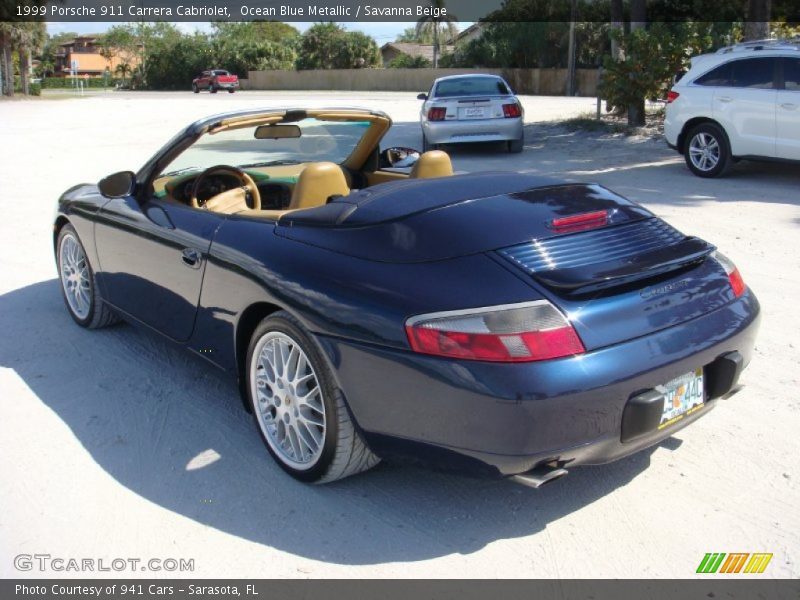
(437, 28)
(404, 61)
(330, 46)
(410, 35)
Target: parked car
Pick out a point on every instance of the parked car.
(502, 324)
(471, 108)
(215, 80)
(743, 102)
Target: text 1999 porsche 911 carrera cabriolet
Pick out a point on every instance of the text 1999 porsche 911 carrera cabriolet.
(494, 323)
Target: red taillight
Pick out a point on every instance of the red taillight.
(580, 222)
(734, 277)
(437, 113)
(512, 333)
(512, 111)
(672, 96)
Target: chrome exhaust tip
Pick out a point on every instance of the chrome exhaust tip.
(539, 476)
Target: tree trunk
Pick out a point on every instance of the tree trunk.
(617, 17)
(758, 15)
(435, 45)
(638, 21)
(8, 67)
(24, 71)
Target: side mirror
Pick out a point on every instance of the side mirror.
(422, 96)
(398, 158)
(117, 185)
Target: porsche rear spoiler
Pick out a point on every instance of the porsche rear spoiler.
(608, 258)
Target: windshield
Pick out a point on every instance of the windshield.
(318, 141)
(471, 86)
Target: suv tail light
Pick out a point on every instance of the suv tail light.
(512, 111)
(734, 277)
(437, 113)
(522, 332)
(672, 96)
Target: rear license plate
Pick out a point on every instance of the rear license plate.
(683, 396)
(473, 112)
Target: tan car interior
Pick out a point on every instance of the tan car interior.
(318, 182)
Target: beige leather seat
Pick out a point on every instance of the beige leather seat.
(432, 164)
(318, 182)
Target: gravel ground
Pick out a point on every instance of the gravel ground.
(116, 445)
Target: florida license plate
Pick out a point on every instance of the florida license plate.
(473, 112)
(683, 396)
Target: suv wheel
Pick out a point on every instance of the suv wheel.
(707, 152)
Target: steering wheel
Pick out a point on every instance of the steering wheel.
(237, 195)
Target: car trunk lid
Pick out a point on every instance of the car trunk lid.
(617, 278)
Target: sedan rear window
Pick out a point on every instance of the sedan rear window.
(471, 86)
(220, 72)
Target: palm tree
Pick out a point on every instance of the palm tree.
(432, 27)
(7, 33)
(124, 70)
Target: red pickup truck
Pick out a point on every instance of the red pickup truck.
(214, 80)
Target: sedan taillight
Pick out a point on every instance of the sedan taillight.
(512, 111)
(508, 333)
(672, 96)
(734, 277)
(437, 113)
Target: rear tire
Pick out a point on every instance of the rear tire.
(79, 284)
(707, 152)
(299, 411)
(213, 89)
(230, 91)
(427, 146)
(516, 146)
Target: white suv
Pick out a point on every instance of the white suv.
(741, 102)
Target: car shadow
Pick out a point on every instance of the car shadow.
(170, 428)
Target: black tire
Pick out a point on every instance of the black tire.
(231, 90)
(344, 452)
(195, 89)
(213, 89)
(712, 137)
(99, 314)
(516, 146)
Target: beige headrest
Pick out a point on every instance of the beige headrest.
(432, 164)
(318, 182)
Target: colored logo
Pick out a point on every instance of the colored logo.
(735, 562)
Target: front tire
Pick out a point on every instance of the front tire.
(707, 151)
(299, 411)
(195, 89)
(79, 283)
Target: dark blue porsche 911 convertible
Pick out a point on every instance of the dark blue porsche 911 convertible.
(375, 305)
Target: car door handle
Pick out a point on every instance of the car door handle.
(725, 99)
(191, 257)
(788, 106)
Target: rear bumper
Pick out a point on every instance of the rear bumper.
(508, 418)
(228, 85)
(479, 130)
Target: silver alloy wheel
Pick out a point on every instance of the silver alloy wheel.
(288, 400)
(704, 151)
(75, 276)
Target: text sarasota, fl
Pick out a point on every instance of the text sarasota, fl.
(222, 10)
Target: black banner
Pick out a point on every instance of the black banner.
(383, 10)
(265, 589)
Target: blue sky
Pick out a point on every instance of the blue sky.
(382, 32)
